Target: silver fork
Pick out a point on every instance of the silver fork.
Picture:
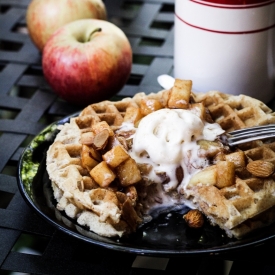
(250, 134)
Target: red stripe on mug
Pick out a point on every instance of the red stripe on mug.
(225, 32)
(234, 4)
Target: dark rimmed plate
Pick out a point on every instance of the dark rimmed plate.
(166, 235)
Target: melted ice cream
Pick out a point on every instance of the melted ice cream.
(167, 139)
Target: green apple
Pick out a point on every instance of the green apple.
(44, 17)
(87, 60)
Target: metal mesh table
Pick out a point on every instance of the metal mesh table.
(30, 245)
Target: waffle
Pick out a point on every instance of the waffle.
(105, 211)
(233, 207)
(235, 112)
(118, 201)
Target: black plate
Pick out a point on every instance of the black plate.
(167, 235)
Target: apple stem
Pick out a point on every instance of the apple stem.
(94, 31)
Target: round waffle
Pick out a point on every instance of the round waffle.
(97, 182)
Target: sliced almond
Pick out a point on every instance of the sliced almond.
(260, 168)
(100, 140)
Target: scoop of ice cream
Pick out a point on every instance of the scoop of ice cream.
(167, 139)
(163, 133)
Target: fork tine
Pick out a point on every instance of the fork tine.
(232, 141)
(252, 133)
(252, 129)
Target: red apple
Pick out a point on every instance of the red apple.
(44, 17)
(87, 61)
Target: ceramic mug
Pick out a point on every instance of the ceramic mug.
(226, 45)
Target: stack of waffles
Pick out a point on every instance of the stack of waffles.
(98, 183)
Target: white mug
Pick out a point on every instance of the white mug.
(226, 45)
